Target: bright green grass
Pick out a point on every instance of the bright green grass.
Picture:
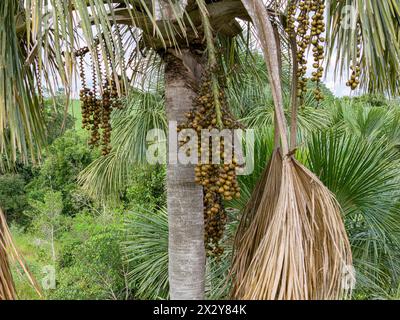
(36, 258)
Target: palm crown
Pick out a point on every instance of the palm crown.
(40, 37)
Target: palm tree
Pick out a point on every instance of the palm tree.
(41, 40)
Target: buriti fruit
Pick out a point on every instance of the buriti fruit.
(218, 180)
(306, 25)
(96, 109)
(354, 80)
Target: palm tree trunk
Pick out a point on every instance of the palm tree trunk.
(184, 196)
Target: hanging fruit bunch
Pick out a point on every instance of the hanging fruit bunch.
(306, 24)
(97, 106)
(219, 180)
(354, 81)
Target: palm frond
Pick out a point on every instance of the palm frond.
(8, 254)
(306, 217)
(255, 106)
(146, 251)
(21, 124)
(364, 177)
(380, 28)
(305, 238)
(370, 121)
(146, 254)
(264, 145)
(256, 218)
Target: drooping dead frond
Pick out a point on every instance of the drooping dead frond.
(256, 219)
(296, 246)
(9, 253)
(304, 253)
(7, 288)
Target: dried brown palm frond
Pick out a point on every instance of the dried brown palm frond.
(305, 250)
(256, 218)
(7, 289)
(9, 253)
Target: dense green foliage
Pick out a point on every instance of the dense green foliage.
(57, 225)
(146, 188)
(13, 198)
(90, 264)
(64, 159)
(103, 249)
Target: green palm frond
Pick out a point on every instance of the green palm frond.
(392, 130)
(376, 120)
(21, 125)
(380, 28)
(367, 122)
(344, 163)
(144, 111)
(256, 108)
(364, 178)
(146, 251)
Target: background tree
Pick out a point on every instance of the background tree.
(47, 219)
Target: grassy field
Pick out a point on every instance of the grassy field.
(37, 259)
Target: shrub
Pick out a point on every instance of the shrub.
(65, 158)
(90, 262)
(13, 198)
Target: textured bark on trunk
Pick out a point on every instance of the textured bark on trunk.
(184, 196)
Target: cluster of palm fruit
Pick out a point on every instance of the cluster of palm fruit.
(96, 109)
(219, 179)
(306, 23)
(356, 68)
